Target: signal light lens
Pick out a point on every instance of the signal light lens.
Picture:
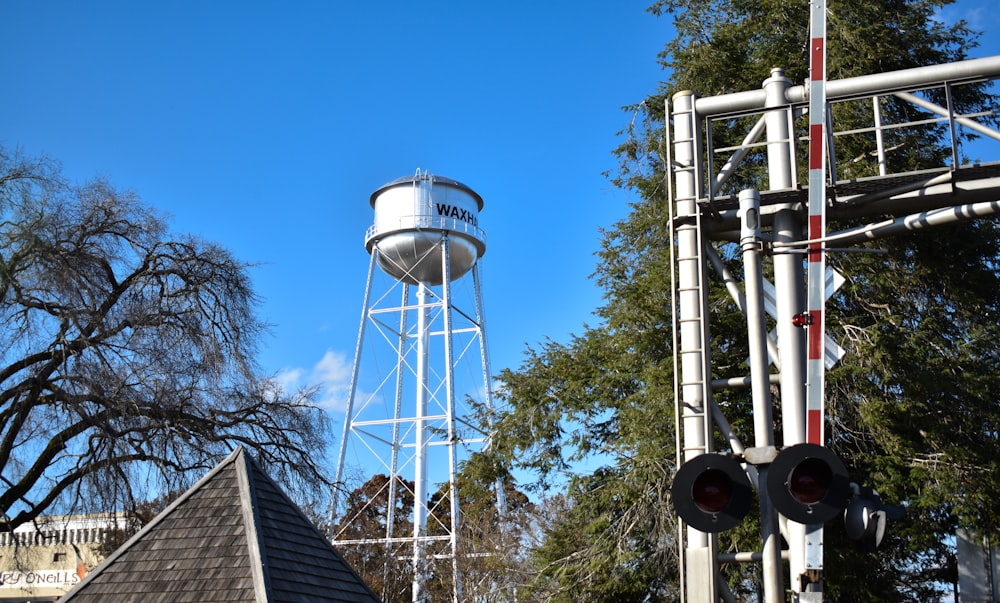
(808, 484)
(810, 481)
(712, 491)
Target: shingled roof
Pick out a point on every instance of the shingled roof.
(234, 537)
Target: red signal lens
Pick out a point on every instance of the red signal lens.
(808, 484)
(810, 481)
(712, 491)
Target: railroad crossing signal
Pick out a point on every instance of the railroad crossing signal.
(806, 483)
(834, 281)
(711, 492)
(866, 516)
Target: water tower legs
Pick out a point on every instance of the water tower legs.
(407, 424)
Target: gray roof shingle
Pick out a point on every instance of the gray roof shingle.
(234, 537)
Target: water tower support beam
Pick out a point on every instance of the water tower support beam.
(449, 358)
(420, 443)
(484, 356)
(390, 509)
(338, 484)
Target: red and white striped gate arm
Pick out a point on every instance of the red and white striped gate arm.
(816, 267)
(816, 270)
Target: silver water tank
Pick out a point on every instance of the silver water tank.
(412, 216)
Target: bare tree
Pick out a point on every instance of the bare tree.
(126, 356)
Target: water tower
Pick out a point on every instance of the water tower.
(419, 358)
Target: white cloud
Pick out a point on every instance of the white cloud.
(289, 378)
(334, 367)
(331, 374)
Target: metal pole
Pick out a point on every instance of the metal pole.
(484, 356)
(701, 575)
(927, 219)
(988, 67)
(883, 166)
(449, 386)
(420, 443)
(761, 388)
(739, 297)
(355, 370)
(789, 282)
(390, 507)
(952, 118)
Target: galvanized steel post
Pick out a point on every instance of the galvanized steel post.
(760, 389)
(701, 572)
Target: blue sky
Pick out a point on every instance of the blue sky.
(266, 126)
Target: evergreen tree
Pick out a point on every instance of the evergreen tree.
(909, 408)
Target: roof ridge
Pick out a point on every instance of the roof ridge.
(238, 537)
(251, 519)
(158, 519)
(308, 523)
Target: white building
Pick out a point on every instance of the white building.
(41, 561)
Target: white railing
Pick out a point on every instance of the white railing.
(50, 537)
(424, 222)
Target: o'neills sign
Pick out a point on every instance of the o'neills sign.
(39, 578)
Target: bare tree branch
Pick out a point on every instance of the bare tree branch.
(126, 356)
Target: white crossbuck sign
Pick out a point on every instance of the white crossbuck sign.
(832, 350)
